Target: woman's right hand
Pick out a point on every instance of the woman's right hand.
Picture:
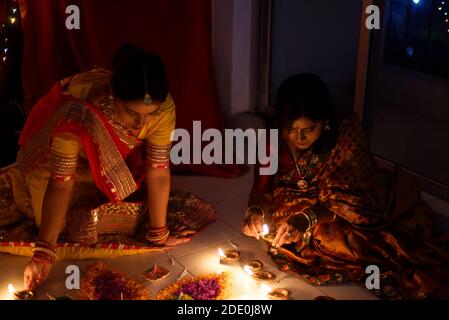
(35, 273)
(252, 225)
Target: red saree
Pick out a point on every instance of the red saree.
(106, 217)
(381, 221)
(58, 112)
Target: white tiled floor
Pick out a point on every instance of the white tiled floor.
(199, 256)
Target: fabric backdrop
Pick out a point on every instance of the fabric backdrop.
(178, 30)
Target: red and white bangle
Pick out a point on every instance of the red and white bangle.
(44, 252)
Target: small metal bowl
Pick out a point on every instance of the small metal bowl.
(263, 276)
(255, 265)
(278, 294)
(231, 256)
(23, 295)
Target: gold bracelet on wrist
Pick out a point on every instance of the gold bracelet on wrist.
(311, 218)
(249, 213)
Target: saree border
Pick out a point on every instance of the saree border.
(114, 170)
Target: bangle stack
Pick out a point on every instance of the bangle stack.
(157, 236)
(44, 252)
(252, 210)
(312, 220)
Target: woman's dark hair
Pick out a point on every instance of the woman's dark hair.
(130, 66)
(306, 95)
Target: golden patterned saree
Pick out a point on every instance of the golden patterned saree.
(381, 220)
(66, 137)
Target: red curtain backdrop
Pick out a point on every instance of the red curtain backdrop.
(178, 30)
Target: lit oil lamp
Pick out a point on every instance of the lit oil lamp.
(278, 294)
(255, 265)
(20, 295)
(262, 275)
(228, 256)
(266, 234)
(269, 237)
(259, 275)
(265, 231)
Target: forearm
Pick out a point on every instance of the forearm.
(158, 185)
(54, 209)
(323, 214)
(311, 217)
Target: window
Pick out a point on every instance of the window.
(418, 36)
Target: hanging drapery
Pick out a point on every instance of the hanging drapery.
(179, 31)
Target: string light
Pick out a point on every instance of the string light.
(443, 10)
(11, 20)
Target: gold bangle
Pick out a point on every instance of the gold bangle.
(248, 213)
(311, 218)
(163, 236)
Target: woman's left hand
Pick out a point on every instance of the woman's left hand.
(286, 234)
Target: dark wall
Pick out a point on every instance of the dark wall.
(320, 37)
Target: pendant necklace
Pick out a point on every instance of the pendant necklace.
(302, 183)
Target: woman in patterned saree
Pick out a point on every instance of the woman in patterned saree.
(96, 133)
(334, 212)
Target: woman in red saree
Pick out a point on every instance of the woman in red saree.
(96, 133)
(335, 212)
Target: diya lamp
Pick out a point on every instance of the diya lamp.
(267, 235)
(265, 231)
(229, 256)
(275, 294)
(20, 295)
(259, 275)
(278, 294)
(255, 265)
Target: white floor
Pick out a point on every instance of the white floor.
(200, 255)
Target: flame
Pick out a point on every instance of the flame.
(221, 253)
(11, 288)
(265, 288)
(265, 230)
(248, 270)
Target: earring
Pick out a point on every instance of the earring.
(147, 98)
